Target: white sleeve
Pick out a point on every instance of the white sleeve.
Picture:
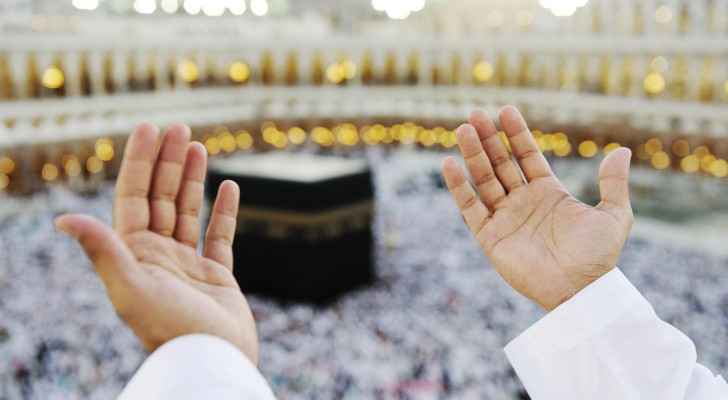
(197, 367)
(608, 343)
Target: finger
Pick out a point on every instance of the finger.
(221, 231)
(111, 257)
(532, 162)
(191, 193)
(524, 147)
(131, 205)
(167, 178)
(474, 212)
(484, 178)
(614, 179)
(507, 171)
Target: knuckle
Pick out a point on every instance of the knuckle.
(485, 177)
(480, 226)
(192, 211)
(167, 196)
(469, 201)
(500, 159)
(498, 201)
(165, 231)
(188, 241)
(528, 153)
(135, 192)
(220, 239)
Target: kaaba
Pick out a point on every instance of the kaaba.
(304, 229)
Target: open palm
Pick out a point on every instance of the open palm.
(156, 280)
(545, 243)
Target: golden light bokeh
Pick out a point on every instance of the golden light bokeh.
(368, 135)
(323, 136)
(706, 162)
(408, 133)
(239, 72)
(545, 142)
(228, 144)
(701, 151)
(275, 137)
(562, 149)
(446, 138)
(427, 137)
(396, 132)
(559, 143)
(377, 133)
(188, 71)
(680, 147)
(104, 149)
(559, 137)
(719, 168)
(660, 160)
(244, 140)
(653, 145)
(347, 134)
(94, 165)
(588, 149)
(296, 135)
(212, 144)
(348, 68)
(7, 165)
(49, 172)
(690, 164)
(335, 74)
(611, 147)
(339, 72)
(388, 135)
(654, 83)
(280, 140)
(270, 133)
(483, 72)
(53, 78)
(660, 155)
(71, 166)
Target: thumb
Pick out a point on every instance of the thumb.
(111, 257)
(614, 179)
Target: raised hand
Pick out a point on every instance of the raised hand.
(157, 282)
(545, 243)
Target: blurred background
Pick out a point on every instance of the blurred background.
(281, 88)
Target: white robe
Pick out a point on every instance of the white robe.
(604, 343)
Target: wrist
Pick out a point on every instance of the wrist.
(576, 282)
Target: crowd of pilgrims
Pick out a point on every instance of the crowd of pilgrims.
(428, 328)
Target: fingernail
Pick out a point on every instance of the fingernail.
(58, 222)
(463, 129)
(479, 114)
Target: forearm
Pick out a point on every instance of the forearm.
(197, 367)
(608, 343)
